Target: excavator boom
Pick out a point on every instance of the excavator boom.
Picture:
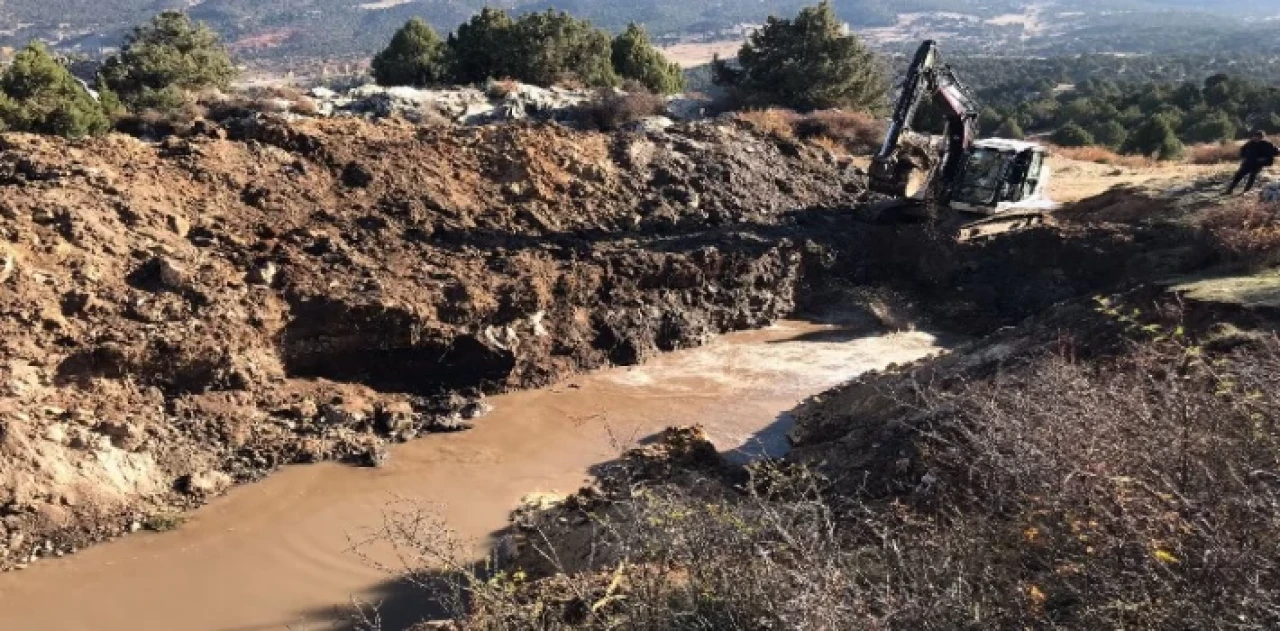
(897, 160)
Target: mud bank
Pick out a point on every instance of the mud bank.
(180, 317)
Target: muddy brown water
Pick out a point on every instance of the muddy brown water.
(276, 555)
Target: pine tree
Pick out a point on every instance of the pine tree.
(553, 47)
(166, 58)
(1214, 126)
(1155, 138)
(1072, 135)
(1110, 134)
(807, 63)
(635, 58)
(480, 49)
(1010, 129)
(41, 96)
(415, 56)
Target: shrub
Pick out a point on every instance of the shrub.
(611, 111)
(1110, 134)
(775, 122)
(1215, 126)
(1072, 135)
(1246, 231)
(805, 64)
(1215, 153)
(1010, 129)
(1135, 492)
(859, 132)
(635, 58)
(38, 94)
(165, 59)
(1155, 138)
(1102, 155)
(415, 57)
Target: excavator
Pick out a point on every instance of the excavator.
(957, 171)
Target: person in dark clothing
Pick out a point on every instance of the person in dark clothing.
(1256, 155)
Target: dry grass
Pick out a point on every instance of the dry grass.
(1247, 231)
(860, 132)
(1214, 153)
(857, 133)
(1103, 155)
(774, 122)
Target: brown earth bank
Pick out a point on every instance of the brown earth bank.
(184, 315)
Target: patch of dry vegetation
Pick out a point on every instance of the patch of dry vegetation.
(1140, 491)
(1214, 154)
(1246, 231)
(1103, 155)
(611, 111)
(855, 133)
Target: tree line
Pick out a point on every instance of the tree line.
(1136, 118)
(545, 48)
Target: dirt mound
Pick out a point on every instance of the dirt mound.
(182, 315)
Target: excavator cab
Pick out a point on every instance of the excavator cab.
(998, 175)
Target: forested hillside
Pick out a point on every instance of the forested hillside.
(286, 28)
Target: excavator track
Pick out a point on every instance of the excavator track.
(987, 227)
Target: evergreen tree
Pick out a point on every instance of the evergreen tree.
(1155, 138)
(415, 56)
(1214, 126)
(1010, 129)
(41, 96)
(635, 58)
(1110, 134)
(807, 63)
(166, 58)
(1072, 135)
(480, 49)
(553, 47)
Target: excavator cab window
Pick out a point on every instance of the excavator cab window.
(984, 177)
(1024, 178)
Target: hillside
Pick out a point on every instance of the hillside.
(338, 28)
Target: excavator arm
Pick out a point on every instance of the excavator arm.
(892, 168)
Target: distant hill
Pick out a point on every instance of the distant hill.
(282, 29)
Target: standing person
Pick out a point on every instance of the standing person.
(1255, 155)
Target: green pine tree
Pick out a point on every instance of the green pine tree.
(480, 49)
(415, 56)
(806, 63)
(1010, 129)
(635, 58)
(41, 96)
(166, 58)
(1213, 126)
(1072, 135)
(1110, 134)
(1155, 138)
(553, 47)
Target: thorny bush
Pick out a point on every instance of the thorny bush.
(1136, 492)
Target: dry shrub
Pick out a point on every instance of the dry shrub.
(1103, 155)
(860, 132)
(778, 123)
(610, 111)
(502, 88)
(1214, 153)
(831, 144)
(1247, 231)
